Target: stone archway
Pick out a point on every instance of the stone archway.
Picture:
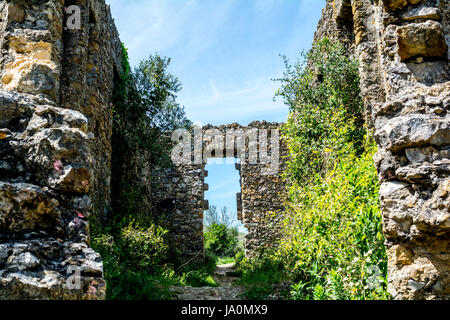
(178, 190)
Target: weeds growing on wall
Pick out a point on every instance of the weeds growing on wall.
(333, 246)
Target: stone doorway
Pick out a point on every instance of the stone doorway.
(224, 194)
(178, 190)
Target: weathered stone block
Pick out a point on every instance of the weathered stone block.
(421, 39)
(15, 13)
(413, 131)
(25, 207)
(71, 179)
(39, 269)
(391, 5)
(431, 13)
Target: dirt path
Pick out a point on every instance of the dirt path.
(226, 290)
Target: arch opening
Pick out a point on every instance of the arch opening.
(223, 196)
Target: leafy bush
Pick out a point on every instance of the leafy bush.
(225, 260)
(135, 260)
(221, 241)
(326, 111)
(137, 265)
(144, 248)
(199, 278)
(333, 240)
(239, 257)
(332, 245)
(260, 275)
(335, 237)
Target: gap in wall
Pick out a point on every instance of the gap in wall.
(224, 183)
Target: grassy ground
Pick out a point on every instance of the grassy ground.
(224, 260)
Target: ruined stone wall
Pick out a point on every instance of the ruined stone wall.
(262, 194)
(178, 190)
(55, 156)
(178, 202)
(55, 132)
(403, 50)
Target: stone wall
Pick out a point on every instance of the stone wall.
(403, 50)
(56, 94)
(55, 132)
(55, 145)
(178, 190)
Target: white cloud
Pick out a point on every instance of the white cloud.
(220, 84)
(232, 104)
(161, 25)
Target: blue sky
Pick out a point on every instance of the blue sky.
(225, 53)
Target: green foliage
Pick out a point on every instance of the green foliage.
(145, 107)
(158, 91)
(144, 248)
(239, 257)
(225, 260)
(260, 275)
(145, 113)
(135, 260)
(332, 245)
(198, 278)
(134, 248)
(326, 112)
(333, 233)
(137, 264)
(221, 241)
(198, 274)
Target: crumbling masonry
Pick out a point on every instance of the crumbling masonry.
(55, 145)
(55, 151)
(178, 190)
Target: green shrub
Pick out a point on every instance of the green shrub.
(260, 275)
(138, 286)
(221, 241)
(198, 278)
(143, 248)
(326, 111)
(332, 245)
(137, 264)
(333, 232)
(334, 235)
(239, 257)
(225, 260)
(135, 260)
